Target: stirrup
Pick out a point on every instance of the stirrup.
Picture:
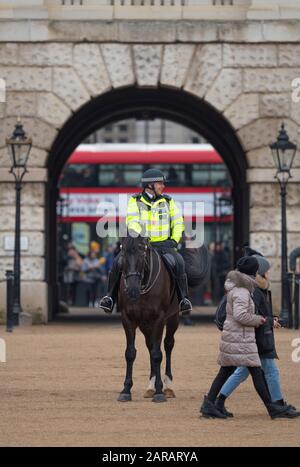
(107, 309)
(188, 304)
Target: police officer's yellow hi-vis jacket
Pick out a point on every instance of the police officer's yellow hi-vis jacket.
(160, 220)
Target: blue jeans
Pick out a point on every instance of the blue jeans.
(241, 374)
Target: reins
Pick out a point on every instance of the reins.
(149, 286)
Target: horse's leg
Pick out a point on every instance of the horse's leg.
(151, 388)
(156, 355)
(172, 325)
(130, 355)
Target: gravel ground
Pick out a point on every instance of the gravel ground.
(60, 384)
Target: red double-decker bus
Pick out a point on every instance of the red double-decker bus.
(97, 173)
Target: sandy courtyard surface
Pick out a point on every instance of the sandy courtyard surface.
(60, 384)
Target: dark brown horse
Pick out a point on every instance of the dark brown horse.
(147, 300)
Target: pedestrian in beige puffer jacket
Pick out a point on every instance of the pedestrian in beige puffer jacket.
(238, 346)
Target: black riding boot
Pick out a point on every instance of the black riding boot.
(185, 306)
(107, 303)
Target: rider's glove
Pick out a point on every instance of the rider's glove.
(171, 244)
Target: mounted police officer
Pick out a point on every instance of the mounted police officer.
(155, 215)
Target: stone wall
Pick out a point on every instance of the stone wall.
(250, 84)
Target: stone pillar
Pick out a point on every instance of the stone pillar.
(33, 286)
(265, 226)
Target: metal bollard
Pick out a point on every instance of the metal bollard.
(297, 301)
(9, 301)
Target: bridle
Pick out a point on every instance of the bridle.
(149, 285)
(136, 273)
(130, 274)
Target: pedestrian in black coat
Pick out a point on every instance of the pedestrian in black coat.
(265, 344)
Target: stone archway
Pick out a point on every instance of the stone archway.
(244, 75)
(133, 102)
(65, 89)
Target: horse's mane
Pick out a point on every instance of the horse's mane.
(131, 243)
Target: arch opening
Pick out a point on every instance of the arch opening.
(164, 103)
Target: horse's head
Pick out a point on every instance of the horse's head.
(134, 250)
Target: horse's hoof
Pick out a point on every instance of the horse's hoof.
(124, 397)
(149, 393)
(159, 398)
(169, 393)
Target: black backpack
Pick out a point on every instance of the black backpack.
(220, 315)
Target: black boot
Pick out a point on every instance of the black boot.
(209, 410)
(277, 411)
(185, 306)
(107, 303)
(283, 403)
(220, 404)
(292, 412)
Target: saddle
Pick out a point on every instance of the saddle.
(171, 264)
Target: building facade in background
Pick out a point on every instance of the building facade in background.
(147, 132)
